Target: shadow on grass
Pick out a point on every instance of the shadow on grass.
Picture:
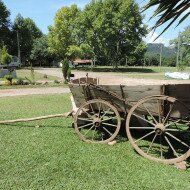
(122, 70)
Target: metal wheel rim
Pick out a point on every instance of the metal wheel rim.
(95, 101)
(136, 147)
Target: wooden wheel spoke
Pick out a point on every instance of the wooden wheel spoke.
(88, 130)
(173, 123)
(144, 136)
(108, 119)
(85, 119)
(109, 124)
(150, 114)
(94, 132)
(99, 109)
(176, 130)
(92, 108)
(174, 151)
(151, 143)
(105, 113)
(107, 131)
(159, 111)
(171, 107)
(172, 136)
(161, 151)
(144, 119)
(85, 125)
(152, 128)
(87, 113)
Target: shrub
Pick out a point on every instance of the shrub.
(20, 81)
(5, 57)
(65, 68)
(9, 78)
(69, 74)
(56, 81)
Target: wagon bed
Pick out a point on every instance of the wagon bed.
(118, 94)
(156, 117)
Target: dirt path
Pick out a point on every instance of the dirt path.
(32, 91)
(112, 78)
(104, 78)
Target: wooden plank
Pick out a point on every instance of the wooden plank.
(182, 93)
(132, 93)
(179, 91)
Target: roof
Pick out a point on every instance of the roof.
(82, 61)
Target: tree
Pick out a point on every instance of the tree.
(28, 32)
(40, 53)
(62, 34)
(4, 25)
(182, 46)
(113, 28)
(84, 51)
(169, 11)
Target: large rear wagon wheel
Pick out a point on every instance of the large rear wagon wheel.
(97, 121)
(163, 134)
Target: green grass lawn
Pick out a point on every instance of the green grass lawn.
(22, 73)
(38, 76)
(5, 87)
(53, 157)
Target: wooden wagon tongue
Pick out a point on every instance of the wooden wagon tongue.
(36, 118)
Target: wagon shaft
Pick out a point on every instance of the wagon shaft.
(36, 118)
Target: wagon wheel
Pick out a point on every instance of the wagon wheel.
(163, 134)
(97, 121)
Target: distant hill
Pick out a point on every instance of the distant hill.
(153, 49)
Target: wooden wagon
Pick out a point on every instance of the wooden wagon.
(156, 118)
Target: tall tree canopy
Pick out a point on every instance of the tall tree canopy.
(110, 29)
(183, 41)
(62, 34)
(40, 53)
(4, 24)
(27, 33)
(169, 11)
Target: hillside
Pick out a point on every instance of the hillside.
(153, 49)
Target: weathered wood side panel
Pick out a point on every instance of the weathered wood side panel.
(85, 80)
(131, 93)
(182, 93)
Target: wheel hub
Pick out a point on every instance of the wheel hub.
(160, 128)
(97, 122)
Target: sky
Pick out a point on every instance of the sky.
(43, 13)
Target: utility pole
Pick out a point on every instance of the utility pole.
(18, 44)
(178, 51)
(161, 46)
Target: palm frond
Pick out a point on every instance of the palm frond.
(168, 11)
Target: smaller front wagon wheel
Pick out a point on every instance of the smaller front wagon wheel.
(97, 121)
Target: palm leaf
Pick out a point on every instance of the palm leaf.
(168, 11)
